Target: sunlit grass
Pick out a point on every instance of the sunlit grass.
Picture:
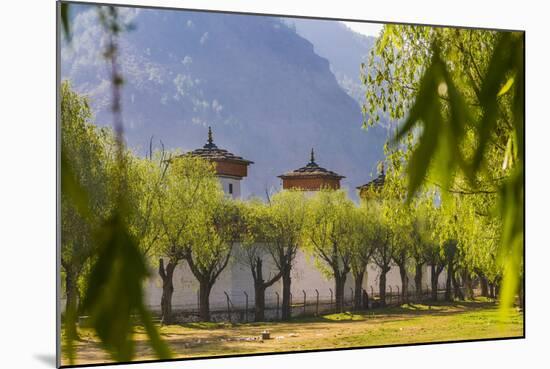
(405, 324)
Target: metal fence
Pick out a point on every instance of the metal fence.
(239, 306)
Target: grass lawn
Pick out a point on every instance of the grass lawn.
(399, 325)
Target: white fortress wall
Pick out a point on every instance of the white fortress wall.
(237, 279)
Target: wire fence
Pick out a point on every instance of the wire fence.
(239, 307)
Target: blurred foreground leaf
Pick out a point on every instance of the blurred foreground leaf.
(64, 13)
(114, 292)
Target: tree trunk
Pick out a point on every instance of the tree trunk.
(365, 300)
(71, 305)
(449, 284)
(339, 283)
(167, 273)
(484, 285)
(491, 290)
(204, 299)
(259, 301)
(382, 288)
(456, 287)
(71, 291)
(285, 307)
(358, 293)
(418, 280)
(468, 286)
(435, 279)
(404, 283)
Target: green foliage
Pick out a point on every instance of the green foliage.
(363, 238)
(146, 178)
(218, 228)
(272, 230)
(328, 230)
(460, 93)
(187, 197)
(284, 219)
(64, 9)
(85, 196)
(114, 285)
(115, 291)
(95, 232)
(287, 216)
(437, 146)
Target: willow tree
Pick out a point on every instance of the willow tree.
(381, 202)
(255, 252)
(464, 89)
(328, 236)
(477, 240)
(287, 216)
(219, 226)
(381, 254)
(146, 178)
(363, 242)
(424, 250)
(188, 188)
(86, 148)
(397, 215)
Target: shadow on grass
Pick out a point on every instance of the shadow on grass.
(439, 308)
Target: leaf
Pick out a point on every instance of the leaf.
(506, 86)
(158, 345)
(114, 292)
(508, 155)
(499, 65)
(427, 111)
(64, 13)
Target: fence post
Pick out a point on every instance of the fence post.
(317, 303)
(391, 294)
(228, 306)
(290, 307)
(277, 310)
(330, 289)
(304, 292)
(246, 307)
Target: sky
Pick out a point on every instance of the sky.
(367, 29)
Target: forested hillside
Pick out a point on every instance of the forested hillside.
(267, 92)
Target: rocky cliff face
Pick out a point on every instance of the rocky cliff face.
(266, 91)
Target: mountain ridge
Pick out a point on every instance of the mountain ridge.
(267, 94)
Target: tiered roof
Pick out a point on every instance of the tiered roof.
(376, 184)
(311, 170)
(211, 152)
